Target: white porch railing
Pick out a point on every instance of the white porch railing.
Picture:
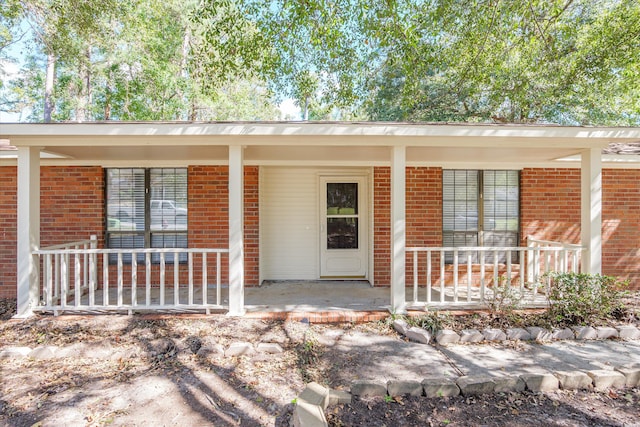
(448, 276)
(71, 280)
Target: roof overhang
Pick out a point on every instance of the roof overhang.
(321, 143)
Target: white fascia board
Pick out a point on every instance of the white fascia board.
(268, 133)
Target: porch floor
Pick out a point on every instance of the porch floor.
(354, 295)
(287, 297)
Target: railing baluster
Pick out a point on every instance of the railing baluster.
(64, 272)
(57, 278)
(77, 282)
(105, 279)
(67, 279)
(482, 280)
(469, 276)
(120, 279)
(204, 279)
(522, 272)
(218, 278)
(134, 279)
(48, 271)
(536, 265)
(508, 269)
(428, 277)
(547, 262)
(415, 277)
(147, 272)
(176, 278)
(496, 271)
(85, 271)
(455, 275)
(162, 272)
(92, 279)
(190, 258)
(442, 276)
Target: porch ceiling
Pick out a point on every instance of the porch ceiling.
(309, 143)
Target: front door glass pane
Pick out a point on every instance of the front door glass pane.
(342, 233)
(342, 215)
(342, 198)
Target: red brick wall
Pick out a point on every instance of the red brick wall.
(423, 211)
(8, 218)
(71, 208)
(251, 225)
(550, 204)
(382, 226)
(621, 224)
(209, 214)
(71, 204)
(550, 200)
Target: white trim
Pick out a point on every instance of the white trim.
(591, 208)
(398, 229)
(364, 243)
(236, 231)
(333, 129)
(28, 229)
(260, 225)
(555, 164)
(372, 267)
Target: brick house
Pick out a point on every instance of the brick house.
(182, 212)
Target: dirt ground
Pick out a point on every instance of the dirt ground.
(141, 371)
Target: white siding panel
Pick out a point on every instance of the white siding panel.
(289, 223)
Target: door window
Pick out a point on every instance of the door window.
(342, 215)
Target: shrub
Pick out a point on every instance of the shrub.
(579, 299)
(503, 299)
(432, 321)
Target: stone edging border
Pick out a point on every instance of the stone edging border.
(532, 333)
(311, 404)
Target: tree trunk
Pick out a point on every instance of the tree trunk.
(84, 94)
(48, 87)
(184, 71)
(107, 96)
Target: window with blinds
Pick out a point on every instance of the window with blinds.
(146, 208)
(480, 208)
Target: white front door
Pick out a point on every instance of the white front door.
(344, 227)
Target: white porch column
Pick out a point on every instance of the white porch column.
(28, 232)
(398, 229)
(591, 206)
(236, 231)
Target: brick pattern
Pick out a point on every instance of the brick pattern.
(251, 225)
(550, 205)
(71, 204)
(68, 212)
(8, 223)
(209, 215)
(423, 211)
(621, 224)
(382, 226)
(424, 215)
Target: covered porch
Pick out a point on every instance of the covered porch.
(80, 276)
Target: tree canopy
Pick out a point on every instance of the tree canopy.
(536, 61)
